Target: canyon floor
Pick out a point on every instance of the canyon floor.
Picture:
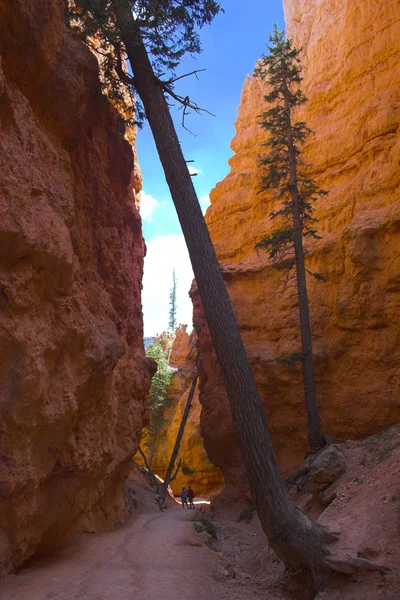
(160, 555)
(157, 555)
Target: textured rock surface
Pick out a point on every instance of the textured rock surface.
(207, 479)
(327, 467)
(352, 78)
(73, 376)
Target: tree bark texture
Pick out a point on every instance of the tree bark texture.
(152, 448)
(151, 475)
(316, 438)
(181, 431)
(296, 539)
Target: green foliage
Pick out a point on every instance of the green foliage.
(204, 524)
(281, 69)
(276, 244)
(158, 401)
(247, 514)
(172, 324)
(168, 28)
(317, 276)
(187, 471)
(291, 360)
(94, 23)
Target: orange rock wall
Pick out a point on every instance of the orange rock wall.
(351, 61)
(73, 375)
(206, 479)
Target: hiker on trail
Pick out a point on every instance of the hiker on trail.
(190, 495)
(184, 498)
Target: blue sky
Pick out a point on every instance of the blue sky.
(231, 45)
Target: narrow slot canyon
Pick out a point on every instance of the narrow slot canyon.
(105, 332)
(202, 475)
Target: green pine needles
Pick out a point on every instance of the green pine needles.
(169, 29)
(283, 170)
(158, 400)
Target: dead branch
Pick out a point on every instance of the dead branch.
(171, 81)
(186, 102)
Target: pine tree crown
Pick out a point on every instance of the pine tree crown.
(169, 30)
(281, 70)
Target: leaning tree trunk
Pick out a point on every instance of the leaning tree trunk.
(174, 455)
(300, 542)
(152, 447)
(316, 438)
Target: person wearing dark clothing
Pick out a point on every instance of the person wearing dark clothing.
(184, 498)
(190, 496)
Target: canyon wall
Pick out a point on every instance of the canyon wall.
(73, 375)
(206, 479)
(351, 58)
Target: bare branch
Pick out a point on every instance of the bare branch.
(186, 102)
(184, 114)
(171, 81)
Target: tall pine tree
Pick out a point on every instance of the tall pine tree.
(283, 173)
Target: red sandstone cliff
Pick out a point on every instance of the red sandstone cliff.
(352, 79)
(73, 375)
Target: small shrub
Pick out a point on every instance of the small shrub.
(247, 514)
(187, 471)
(204, 524)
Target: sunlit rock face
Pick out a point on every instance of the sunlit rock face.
(352, 79)
(73, 375)
(206, 478)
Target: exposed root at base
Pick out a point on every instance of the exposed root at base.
(335, 563)
(349, 565)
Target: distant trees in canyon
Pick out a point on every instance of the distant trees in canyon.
(296, 193)
(158, 400)
(154, 35)
(172, 323)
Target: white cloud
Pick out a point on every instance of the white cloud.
(148, 205)
(165, 253)
(204, 203)
(193, 170)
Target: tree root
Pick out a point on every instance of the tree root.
(293, 477)
(349, 565)
(160, 502)
(334, 564)
(329, 440)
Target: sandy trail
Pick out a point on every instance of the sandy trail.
(148, 559)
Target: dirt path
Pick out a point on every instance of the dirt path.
(150, 558)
